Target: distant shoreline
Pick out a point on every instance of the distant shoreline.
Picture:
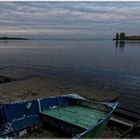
(127, 39)
(13, 38)
(122, 37)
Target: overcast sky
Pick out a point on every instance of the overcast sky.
(69, 20)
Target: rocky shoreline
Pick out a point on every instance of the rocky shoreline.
(4, 79)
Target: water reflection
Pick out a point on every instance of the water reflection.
(120, 45)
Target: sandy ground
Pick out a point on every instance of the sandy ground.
(32, 87)
(28, 85)
(39, 87)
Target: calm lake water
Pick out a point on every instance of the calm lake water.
(97, 63)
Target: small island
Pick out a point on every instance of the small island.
(13, 38)
(122, 36)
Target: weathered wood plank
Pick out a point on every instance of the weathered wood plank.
(130, 129)
(122, 122)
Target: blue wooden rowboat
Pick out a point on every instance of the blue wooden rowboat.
(72, 114)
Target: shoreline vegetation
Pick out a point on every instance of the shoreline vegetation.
(13, 38)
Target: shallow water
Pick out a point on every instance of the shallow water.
(94, 63)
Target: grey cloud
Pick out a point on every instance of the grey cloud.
(69, 19)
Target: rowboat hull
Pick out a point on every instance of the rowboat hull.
(71, 130)
(19, 117)
(79, 118)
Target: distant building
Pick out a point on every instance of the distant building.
(122, 36)
(117, 36)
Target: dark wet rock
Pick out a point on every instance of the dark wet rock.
(56, 87)
(67, 88)
(35, 93)
(4, 79)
